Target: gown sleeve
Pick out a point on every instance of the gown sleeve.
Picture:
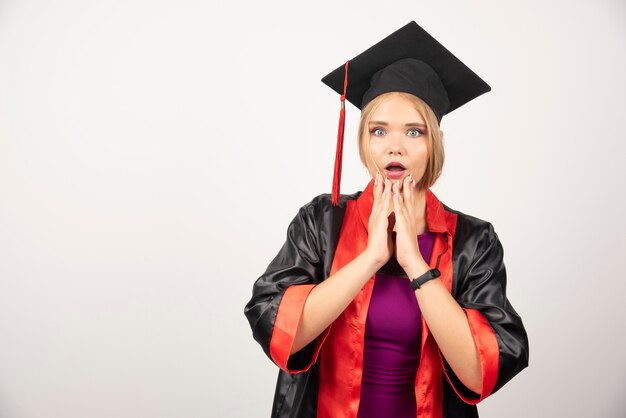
(279, 294)
(496, 327)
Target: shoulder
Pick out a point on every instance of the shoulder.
(321, 221)
(472, 231)
(322, 204)
(476, 248)
(468, 222)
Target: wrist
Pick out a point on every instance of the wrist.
(373, 262)
(416, 268)
(418, 282)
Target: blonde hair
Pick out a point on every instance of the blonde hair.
(436, 154)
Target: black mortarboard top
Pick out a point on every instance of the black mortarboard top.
(409, 60)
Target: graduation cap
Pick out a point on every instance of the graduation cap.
(409, 60)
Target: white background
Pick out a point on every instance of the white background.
(152, 154)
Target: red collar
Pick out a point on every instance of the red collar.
(435, 213)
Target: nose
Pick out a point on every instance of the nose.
(395, 146)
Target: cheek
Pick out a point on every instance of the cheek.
(373, 152)
(376, 149)
(421, 157)
(422, 151)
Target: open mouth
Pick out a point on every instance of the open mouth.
(395, 170)
(395, 167)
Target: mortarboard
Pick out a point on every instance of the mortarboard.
(409, 60)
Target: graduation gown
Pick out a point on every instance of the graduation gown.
(324, 378)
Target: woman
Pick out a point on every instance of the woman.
(386, 302)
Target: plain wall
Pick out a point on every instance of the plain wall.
(153, 153)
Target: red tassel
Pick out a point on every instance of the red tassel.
(339, 152)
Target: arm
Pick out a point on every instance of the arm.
(497, 329)
(500, 342)
(292, 307)
(449, 326)
(328, 299)
(278, 295)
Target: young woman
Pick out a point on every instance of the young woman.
(386, 302)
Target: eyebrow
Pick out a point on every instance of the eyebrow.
(376, 122)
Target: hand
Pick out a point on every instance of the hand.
(379, 243)
(407, 248)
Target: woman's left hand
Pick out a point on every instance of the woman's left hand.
(407, 248)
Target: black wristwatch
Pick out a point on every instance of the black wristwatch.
(429, 275)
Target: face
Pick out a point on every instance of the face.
(397, 134)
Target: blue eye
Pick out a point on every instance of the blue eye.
(416, 131)
(375, 130)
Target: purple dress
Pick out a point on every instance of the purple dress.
(393, 332)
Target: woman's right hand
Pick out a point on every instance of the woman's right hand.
(379, 243)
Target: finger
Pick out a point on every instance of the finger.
(384, 183)
(407, 187)
(387, 197)
(398, 211)
(408, 197)
(378, 186)
(388, 190)
(397, 199)
(404, 206)
(399, 183)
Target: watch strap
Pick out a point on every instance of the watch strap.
(417, 282)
